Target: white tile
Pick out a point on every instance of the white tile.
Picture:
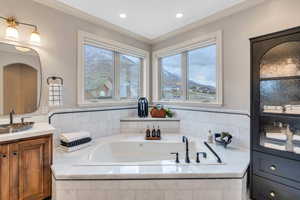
(208, 195)
(149, 195)
(91, 194)
(120, 195)
(66, 195)
(179, 195)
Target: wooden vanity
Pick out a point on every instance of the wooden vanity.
(25, 172)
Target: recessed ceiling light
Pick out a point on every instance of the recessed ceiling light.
(123, 15)
(179, 15)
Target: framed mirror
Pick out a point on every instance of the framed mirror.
(20, 79)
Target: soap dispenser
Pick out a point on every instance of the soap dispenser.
(153, 132)
(158, 132)
(148, 132)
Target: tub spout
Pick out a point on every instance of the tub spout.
(187, 155)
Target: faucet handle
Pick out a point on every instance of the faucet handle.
(184, 138)
(197, 157)
(23, 119)
(177, 156)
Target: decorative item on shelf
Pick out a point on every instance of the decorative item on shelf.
(55, 90)
(154, 134)
(143, 107)
(12, 31)
(159, 111)
(223, 138)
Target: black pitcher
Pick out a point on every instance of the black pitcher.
(142, 107)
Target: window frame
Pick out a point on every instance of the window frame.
(118, 48)
(183, 48)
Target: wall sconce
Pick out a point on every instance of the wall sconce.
(12, 31)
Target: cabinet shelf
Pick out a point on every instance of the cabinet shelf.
(280, 115)
(280, 78)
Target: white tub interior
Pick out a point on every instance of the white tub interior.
(146, 153)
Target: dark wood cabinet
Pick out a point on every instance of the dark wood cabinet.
(25, 169)
(275, 116)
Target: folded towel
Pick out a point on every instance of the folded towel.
(296, 138)
(275, 146)
(76, 143)
(71, 137)
(75, 148)
(276, 136)
(297, 150)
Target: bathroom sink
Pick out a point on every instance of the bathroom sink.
(16, 127)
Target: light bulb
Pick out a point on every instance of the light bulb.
(12, 32)
(35, 37)
(123, 15)
(179, 15)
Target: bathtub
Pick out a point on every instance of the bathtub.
(128, 167)
(146, 153)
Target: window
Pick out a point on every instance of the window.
(202, 65)
(98, 73)
(130, 75)
(171, 81)
(109, 73)
(189, 73)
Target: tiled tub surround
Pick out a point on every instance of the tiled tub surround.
(74, 179)
(198, 122)
(155, 189)
(137, 125)
(99, 122)
(193, 122)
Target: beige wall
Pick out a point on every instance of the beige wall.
(271, 16)
(59, 42)
(58, 51)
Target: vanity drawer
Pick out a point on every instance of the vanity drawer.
(264, 189)
(283, 170)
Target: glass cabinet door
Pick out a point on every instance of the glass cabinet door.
(280, 98)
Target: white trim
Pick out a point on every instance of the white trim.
(88, 38)
(212, 38)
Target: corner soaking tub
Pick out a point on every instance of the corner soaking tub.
(145, 153)
(128, 167)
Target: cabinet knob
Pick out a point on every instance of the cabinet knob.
(272, 194)
(273, 168)
(2, 156)
(15, 153)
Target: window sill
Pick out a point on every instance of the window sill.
(189, 103)
(107, 104)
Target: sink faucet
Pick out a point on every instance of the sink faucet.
(187, 156)
(11, 116)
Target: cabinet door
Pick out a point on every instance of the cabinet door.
(4, 172)
(34, 168)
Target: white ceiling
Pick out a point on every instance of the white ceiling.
(152, 19)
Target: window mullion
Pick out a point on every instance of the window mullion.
(141, 84)
(117, 75)
(159, 93)
(184, 72)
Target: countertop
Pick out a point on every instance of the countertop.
(66, 166)
(38, 129)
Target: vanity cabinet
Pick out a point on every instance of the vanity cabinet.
(25, 169)
(275, 116)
